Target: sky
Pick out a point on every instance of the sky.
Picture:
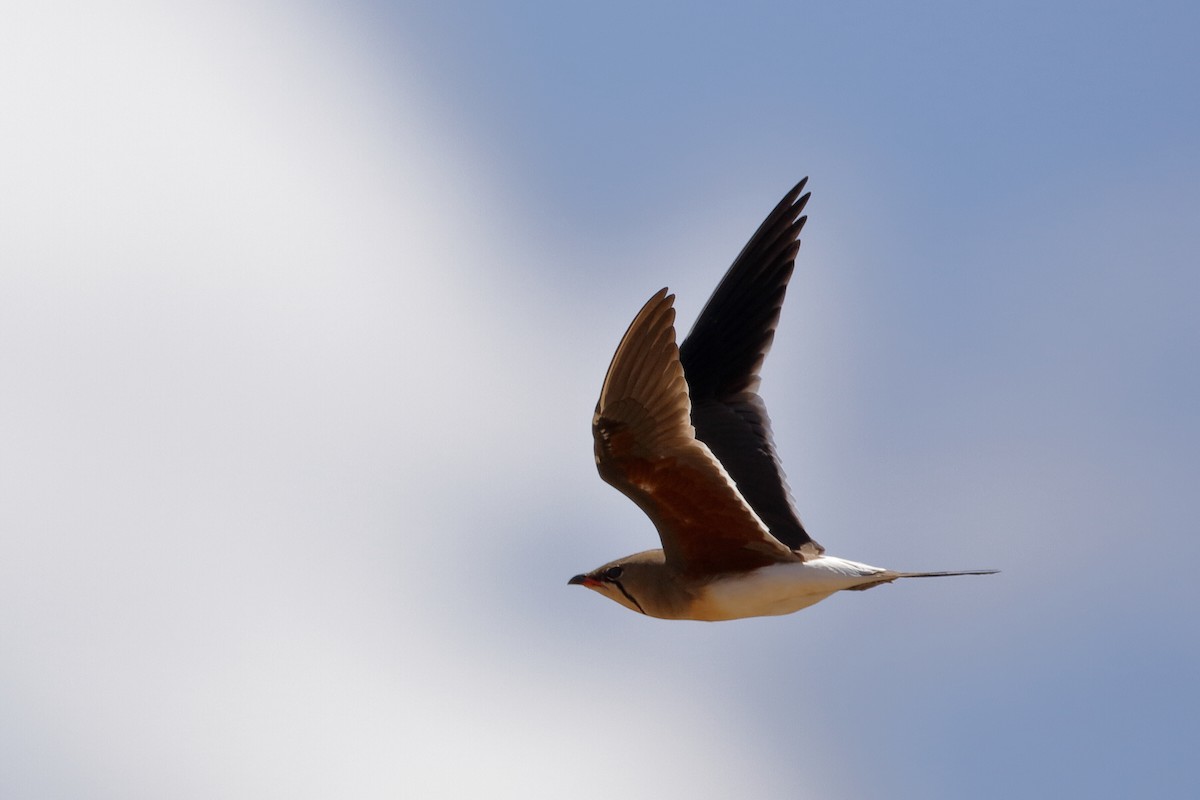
(304, 308)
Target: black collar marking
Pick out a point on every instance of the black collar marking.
(628, 596)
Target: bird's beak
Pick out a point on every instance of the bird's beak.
(583, 580)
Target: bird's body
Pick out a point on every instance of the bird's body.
(683, 433)
(782, 588)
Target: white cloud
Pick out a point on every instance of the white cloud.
(259, 342)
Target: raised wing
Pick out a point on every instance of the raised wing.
(722, 357)
(646, 447)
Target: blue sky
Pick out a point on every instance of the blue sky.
(304, 310)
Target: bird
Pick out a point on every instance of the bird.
(683, 432)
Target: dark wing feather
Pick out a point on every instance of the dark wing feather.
(646, 447)
(722, 357)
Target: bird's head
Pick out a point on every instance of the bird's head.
(636, 582)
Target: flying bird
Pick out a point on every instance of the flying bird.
(683, 433)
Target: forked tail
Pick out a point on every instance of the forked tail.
(889, 576)
(946, 574)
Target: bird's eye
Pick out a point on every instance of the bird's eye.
(612, 573)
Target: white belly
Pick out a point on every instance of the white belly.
(781, 588)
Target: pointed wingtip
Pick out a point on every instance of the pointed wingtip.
(793, 198)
